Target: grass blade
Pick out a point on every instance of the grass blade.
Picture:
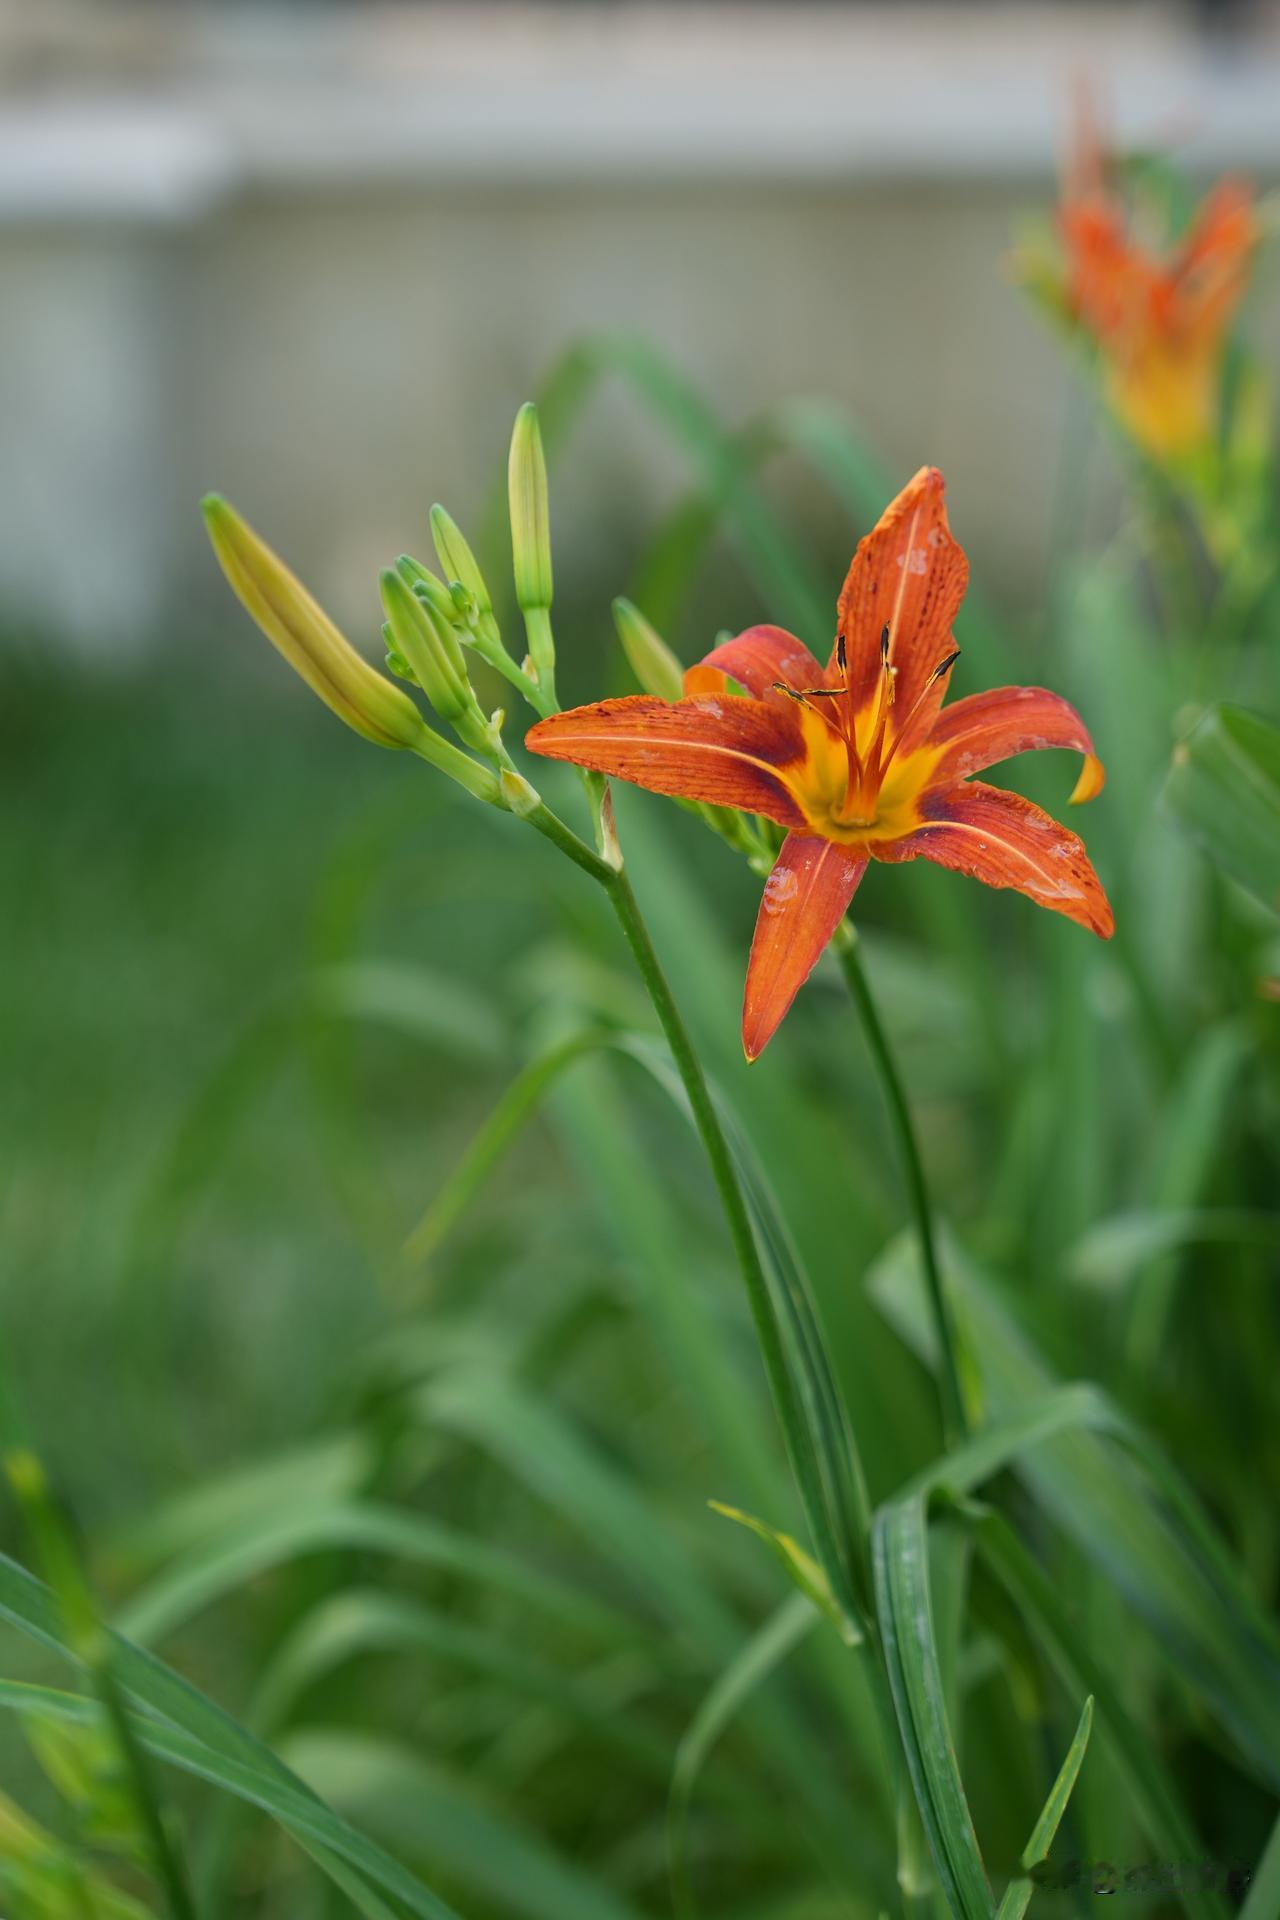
(904, 1609)
(1018, 1893)
(270, 1788)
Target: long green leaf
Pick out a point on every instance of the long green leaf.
(1018, 1894)
(904, 1610)
(1224, 789)
(242, 1553)
(1154, 1797)
(1140, 1526)
(361, 1621)
(271, 1788)
(422, 1812)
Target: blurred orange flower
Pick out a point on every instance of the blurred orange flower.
(859, 762)
(1160, 321)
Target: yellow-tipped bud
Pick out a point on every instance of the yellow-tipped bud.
(648, 655)
(302, 631)
(530, 514)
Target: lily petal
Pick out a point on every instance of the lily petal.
(805, 899)
(728, 751)
(1005, 841)
(1212, 270)
(756, 658)
(984, 728)
(909, 576)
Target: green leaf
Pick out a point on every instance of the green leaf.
(1152, 1793)
(1224, 788)
(827, 1466)
(1126, 1508)
(1263, 1902)
(419, 1810)
(543, 1449)
(1112, 1251)
(266, 1784)
(904, 1608)
(1018, 1893)
(799, 1566)
(262, 1543)
(361, 1621)
(318, 1472)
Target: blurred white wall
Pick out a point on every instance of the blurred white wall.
(316, 258)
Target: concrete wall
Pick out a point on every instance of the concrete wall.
(311, 280)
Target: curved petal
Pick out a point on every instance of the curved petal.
(1212, 271)
(984, 728)
(729, 752)
(805, 898)
(756, 658)
(908, 576)
(1005, 841)
(1111, 282)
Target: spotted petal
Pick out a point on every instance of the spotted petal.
(756, 659)
(985, 728)
(1005, 841)
(725, 750)
(805, 899)
(907, 579)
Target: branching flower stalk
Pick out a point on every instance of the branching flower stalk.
(428, 624)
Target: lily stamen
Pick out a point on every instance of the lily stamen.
(943, 667)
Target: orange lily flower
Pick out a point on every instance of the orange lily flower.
(859, 762)
(1160, 323)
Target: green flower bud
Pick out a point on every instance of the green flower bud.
(430, 647)
(396, 662)
(648, 655)
(301, 630)
(530, 514)
(458, 561)
(429, 587)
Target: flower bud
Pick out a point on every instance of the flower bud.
(530, 516)
(458, 561)
(430, 647)
(396, 662)
(305, 635)
(648, 655)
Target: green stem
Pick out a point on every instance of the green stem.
(838, 1544)
(554, 829)
(737, 1217)
(954, 1420)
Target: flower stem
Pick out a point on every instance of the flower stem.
(954, 1421)
(738, 1219)
(849, 1550)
